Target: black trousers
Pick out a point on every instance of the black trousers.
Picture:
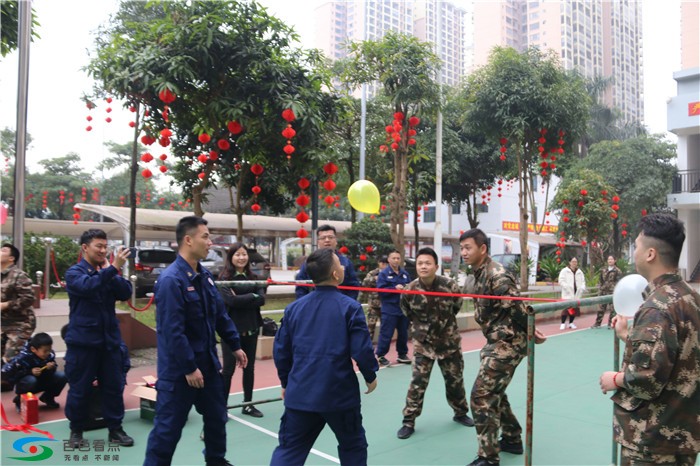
(249, 345)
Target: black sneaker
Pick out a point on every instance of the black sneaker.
(405, 432)
(49, 401)
(76, 439)
(251, 411)
(514, 447)
(383, 361)
(464, 420)
(481, 461)
(217, 462)
(403, 359)
(119, 436)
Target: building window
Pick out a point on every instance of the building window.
(456, 209)
(429, 215)
(482, 208)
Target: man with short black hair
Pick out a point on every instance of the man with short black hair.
(374, 304)
(16, 311)
(320, 336)
(657, 394)
(93, 338)
(327, 238)
(190, 312)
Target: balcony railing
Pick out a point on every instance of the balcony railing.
(686, 181)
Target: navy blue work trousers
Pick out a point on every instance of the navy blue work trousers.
(51, 382)
(300, 429)
(386, 331)
(173, 404)
(83, 366)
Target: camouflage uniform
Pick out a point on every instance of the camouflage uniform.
(504, 324)
(374, 304)
(18, 320)
(657, 410)
(608, 280)
(435, 335)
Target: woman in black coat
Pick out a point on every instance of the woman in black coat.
(243, 304)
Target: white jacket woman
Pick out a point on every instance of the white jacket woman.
(573, 284)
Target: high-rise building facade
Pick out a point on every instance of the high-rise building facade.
(599, 38)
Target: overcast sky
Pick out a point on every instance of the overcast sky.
(57, 116)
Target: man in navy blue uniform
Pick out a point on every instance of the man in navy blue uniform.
(93, 338)
(190, 310)
(326, 239)
(321, 334)
(393, 277)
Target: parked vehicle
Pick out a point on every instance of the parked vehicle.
(148, 265)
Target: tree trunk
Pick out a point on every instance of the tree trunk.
(351, 179)
(132, 185)
(197, 199)
(522, 204)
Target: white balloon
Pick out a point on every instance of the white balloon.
(627, 296)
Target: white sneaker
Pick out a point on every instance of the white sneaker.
(562, 326)
(572, 326)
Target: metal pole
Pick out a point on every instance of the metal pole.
(47, 269)
(616, 367)
(24, 28)
(437, 234)
(314, 212)
(363, 137)
(530, 385)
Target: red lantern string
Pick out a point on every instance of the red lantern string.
(302, 201)
(288, 133)
(257, 170)
(503, 142)
(90, 105)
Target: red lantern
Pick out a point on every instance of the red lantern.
(234, 127)
(303, 200)
(288, 132)
(398, 116)
(256, 190)
(166, 96)
(288, 149)
(615, 199)
(146, 173)
(301, 233)
(288, 115)
(213, 155)
(413, 121)
(584, 192)
(148, 140)
(302, 217)
(411, 142)
(204, 138)
(583, 242)
(257, 169)
(203, 158)
(304, 183)
(146, 157)
(343, 250)
(255, 208)
(223, 144)
(132, 124)
(624, 233)
(202, 175)
(163, 157)
(394, 146)
(164, 142)
(163, 168)
(615, 207)
(329, 200)
(329, 185)
(644, 212)
(330, 168)
(363, 257)
(613, 215)
(369, 248)
(166, 133)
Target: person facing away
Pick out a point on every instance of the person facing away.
(327, 238)
(504, 324)
(190, 314)
(657, 390)
(17, 319)
(243, 305)
(93, 338)
(393, 277)
(374, 304)
(320, 336)
(34, 370)
(609, 276)
(435, 336)
(573, 284)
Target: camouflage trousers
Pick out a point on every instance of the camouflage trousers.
(452, 368)
(490, 407)
(601, 314)
(631, 457)
(15, 335)
(373, 316)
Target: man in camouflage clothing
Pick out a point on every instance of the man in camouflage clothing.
(609, 276)
(657, 398)
(504, 324)
(435, 337)
(374, 304)
(18, 320)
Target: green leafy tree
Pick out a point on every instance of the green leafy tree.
(9, 27)
(222, 62)
(368, 238)
(529, 100)
(405, 68)
(65, 254)
(60, 174)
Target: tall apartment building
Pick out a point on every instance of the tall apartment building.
(683, 119)
(597, 37)
(338, 22)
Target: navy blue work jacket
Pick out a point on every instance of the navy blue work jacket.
(388, 279)
(189, 312)
(350, 278)
(320, 335)
(92, 294)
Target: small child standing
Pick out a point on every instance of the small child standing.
(34, 370)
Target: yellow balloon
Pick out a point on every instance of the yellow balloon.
(364, 196)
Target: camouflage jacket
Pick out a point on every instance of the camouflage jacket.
(657, 410)
(370, 297)
(433, 324)
(608, 279)
(17, 290)
(503, 321)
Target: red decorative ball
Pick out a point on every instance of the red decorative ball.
(255, 208)
(302, 217)
(163, 168)
(166, 96)
(398, 116)
(146, 173)
(329, 200)
(132, 124)
(163, 157)
(301, 233)
(288, 115)
(203, 158)
(303, 200)
(584, 192)
(256, 190)
(363, 257)
(223, 144)
(330, 168)
(88, 128)
(202, 175)
(257, 169)
(288, 149)
(288, 132)
(234, 127)
(204, 138)
(213, 155)
(413, 121)
(329, 185)
(343, 250)
(303, 183)
(108, 120)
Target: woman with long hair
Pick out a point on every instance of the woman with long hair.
(243, 304)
